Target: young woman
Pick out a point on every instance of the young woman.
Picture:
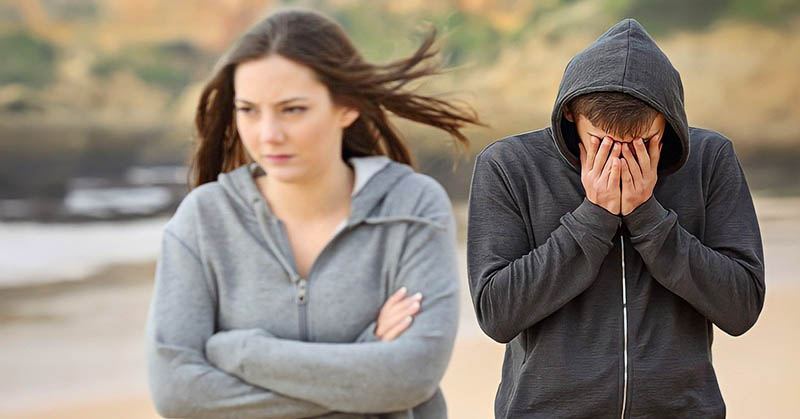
(311, 272)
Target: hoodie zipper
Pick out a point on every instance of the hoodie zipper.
(625, 330)
(302, 285)
(302, 290)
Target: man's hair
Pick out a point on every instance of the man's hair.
(614, 112)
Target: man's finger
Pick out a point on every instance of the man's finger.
(654, 150)
(600, 160)
(613, 178)
(583, 156)
(604, 175)
(617, 150)
(625, 174)
(642, 156)
(591, 152)
(630, 163)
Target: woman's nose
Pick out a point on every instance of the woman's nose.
(270, 131)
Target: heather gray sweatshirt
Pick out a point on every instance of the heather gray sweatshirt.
(609, 316)
(234, 331)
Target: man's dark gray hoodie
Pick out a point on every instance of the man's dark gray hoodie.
(606, 315)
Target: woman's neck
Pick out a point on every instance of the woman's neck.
(325, 195)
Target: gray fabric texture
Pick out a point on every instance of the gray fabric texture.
(233, 331)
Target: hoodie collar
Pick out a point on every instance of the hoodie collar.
(625, 59)
(365, 168)
(374, 178)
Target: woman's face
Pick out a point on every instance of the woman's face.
(287, 120)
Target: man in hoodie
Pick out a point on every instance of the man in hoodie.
(602, 249)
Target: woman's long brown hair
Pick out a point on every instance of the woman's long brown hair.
(317, 42)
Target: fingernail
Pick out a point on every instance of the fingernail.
(415, 306)
(402, 291)
(417, 296)
(408, 319)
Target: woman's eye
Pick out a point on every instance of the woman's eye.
(294, 109)
(244, 109)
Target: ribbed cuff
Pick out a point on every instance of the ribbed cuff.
(645, 217)
(602, 223)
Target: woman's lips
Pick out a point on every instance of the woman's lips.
(278, 158)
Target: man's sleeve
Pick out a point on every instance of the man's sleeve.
(722, 275)
(513, 285)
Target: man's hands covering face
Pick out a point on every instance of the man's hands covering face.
(619, 176)
(600, 173)
(639, 173)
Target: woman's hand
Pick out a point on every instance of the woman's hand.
(397, 314)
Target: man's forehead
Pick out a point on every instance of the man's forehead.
(653, 129)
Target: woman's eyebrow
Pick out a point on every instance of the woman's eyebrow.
(280, 102)
(289, 100)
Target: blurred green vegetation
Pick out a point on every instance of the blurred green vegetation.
(664, 16)
(469, 36)
(168, 65)
(382, 34)
(26, 59)
(72, 9)
(765, 11)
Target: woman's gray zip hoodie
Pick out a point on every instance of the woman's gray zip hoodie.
(608, 316)
(234, 331)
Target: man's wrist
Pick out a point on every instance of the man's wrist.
(645, 217)
(598, 218)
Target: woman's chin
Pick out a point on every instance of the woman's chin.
(284, 173)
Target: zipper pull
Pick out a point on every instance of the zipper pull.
(301, 291)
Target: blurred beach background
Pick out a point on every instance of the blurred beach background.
(96, 106)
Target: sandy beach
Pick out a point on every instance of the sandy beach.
(75, 349)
